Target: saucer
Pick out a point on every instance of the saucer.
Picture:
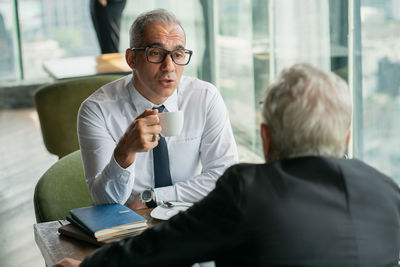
(164, 213)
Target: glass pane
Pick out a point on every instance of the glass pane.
(261, 63)
(54, 29)
(380, 39)
(311, 32)
(315, 33)
(242, 68)
(8, 59)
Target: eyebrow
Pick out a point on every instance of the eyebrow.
(162, 46)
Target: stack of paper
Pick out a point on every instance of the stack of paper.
(104, 222)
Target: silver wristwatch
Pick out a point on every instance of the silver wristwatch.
(148, 197)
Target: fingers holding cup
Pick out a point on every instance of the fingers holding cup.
(155, 138)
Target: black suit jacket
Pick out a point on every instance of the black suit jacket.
(309, 211)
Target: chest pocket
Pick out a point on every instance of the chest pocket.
(184, 155)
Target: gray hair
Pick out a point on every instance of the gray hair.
(308, 113)
(162, 16)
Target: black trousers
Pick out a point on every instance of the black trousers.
(107, 23)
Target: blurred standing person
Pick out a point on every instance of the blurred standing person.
(106, 17)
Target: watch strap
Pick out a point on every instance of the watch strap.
(151, 204)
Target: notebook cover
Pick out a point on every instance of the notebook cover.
(80, 226)
(73, 231)
(98, 219)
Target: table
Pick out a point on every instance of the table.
(55, 247)
(74, 67)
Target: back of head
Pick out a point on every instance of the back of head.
(308, 113)
(161, 16)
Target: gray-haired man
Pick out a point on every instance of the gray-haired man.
(125, 159)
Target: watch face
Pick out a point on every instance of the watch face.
(146, 195)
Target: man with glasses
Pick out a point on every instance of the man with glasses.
(125, 157)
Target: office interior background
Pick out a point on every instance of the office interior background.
(240, 46)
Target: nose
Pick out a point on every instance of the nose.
(168, 64)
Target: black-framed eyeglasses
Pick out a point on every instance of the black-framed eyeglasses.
(158, 55)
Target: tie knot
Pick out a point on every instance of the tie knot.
(160, 108)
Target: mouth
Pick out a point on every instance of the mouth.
(167, 82)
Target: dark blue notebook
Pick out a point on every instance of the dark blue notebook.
(107, 221)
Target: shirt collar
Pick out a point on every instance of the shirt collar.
(141, 103)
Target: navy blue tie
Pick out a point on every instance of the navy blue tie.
(162, 175)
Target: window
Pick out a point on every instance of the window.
(255, 40)
(377, 79)
(63, 28)
(241, 46)
(53, 29)
(235, 55)
(8, 44)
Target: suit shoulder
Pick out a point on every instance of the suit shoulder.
(357, 169)
(245, 167)
(244, 171)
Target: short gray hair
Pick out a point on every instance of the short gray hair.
(162, 16)
(308, 113)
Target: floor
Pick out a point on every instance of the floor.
(23, 159)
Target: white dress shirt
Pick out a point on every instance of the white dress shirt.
(197, 157)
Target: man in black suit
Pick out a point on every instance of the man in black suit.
(307, 206)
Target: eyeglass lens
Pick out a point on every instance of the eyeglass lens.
(158, 55)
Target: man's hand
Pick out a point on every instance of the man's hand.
(103, 2)
(137, 204)
(68, 262)
(139, 137)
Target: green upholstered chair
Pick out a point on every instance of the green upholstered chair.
(57, 105)
(61, 188)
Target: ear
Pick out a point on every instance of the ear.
(130, 58)
(266, 140)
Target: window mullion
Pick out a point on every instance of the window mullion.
(18, 40)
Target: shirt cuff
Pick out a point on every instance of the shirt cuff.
(166, 193)
(117, 171)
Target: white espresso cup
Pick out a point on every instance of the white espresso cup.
(171, 123)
